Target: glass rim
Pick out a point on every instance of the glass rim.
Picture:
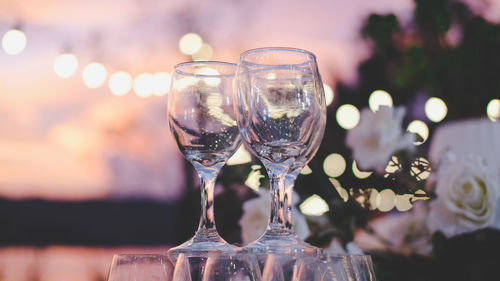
(283, 49)
(205, 63)
(125, 255)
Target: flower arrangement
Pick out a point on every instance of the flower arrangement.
(462, 191)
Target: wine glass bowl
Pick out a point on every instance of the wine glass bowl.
(217, 266)
(279, 107)
(132, 267)
(201, 118)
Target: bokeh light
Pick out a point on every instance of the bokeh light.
(347, 116)
(340, 190)
(120, 83)
(386, 200)
(420, 128)
(403, 202)
(359, 174)
(493, 110)
(94, 75)
(190, 43)
(314, 206)
(205, 53)
(306, 170)
(435, 109)
(334, 165)
(161, 83)
(241, 156)
(329, 95)
(14, 41)
(419, 168)
(65, 65)
(393, 165)
(254, 177)
(372, 199)
(143, 85)
(212, 81)
(378, 98)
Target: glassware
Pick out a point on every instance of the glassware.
(305, 267)
(280, 109)
(217, 266)
(201, 118)
(362, 267)
(126, 267)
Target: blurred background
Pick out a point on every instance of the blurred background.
(88, 166)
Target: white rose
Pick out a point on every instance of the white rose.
(405, 233)
(256, 213)
(467, 193)
(377, 137)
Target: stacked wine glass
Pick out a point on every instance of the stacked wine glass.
(273, 101)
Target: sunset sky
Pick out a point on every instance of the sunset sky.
(61, 140)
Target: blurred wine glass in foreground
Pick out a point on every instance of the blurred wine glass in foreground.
(128, 267)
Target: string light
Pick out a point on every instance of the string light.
(359, 174)
(420, 128)
(94, 75)
(386, 200)
(334, 165)
(372, 200)
(493, 110)
(314, 206)
(379, 98)
(120, 83)
(161, 83)
(205, 53)
(14, 41)
(65, 65)
(329, 95)
(241, 156)
(340, 190)
(403, 202)
(435, 109)
(190, 43)
(143, 85)
(347, 116)
(306, 171)
(211, 81)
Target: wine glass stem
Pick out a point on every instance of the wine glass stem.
(207, 220)
(289, 183)
(277, 218)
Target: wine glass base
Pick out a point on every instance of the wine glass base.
(203, 242)
(280, 242)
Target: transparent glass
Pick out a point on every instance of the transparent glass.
(217, 266)
(281, 114)
(201, 118)
(323, 268)
(362, 267)
(125, 267)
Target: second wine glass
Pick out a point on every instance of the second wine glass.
(280, 108)
(201, 118)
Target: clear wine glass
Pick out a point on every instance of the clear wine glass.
(201, 118)
(132, 267)
(362, 267)
(217, 266)
(279, 107)
(323, 268)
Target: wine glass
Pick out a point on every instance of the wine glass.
(217, 266)
(323, 268)
(201, 118)
(126, 267)
(279, 107)
(362, 267)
